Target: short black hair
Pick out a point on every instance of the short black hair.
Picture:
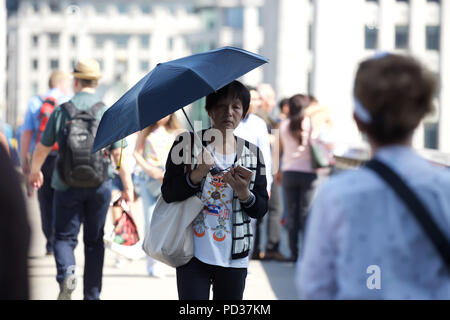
(283, 102)
(234, 89)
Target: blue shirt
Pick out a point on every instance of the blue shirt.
(31, 121)
(359, 229)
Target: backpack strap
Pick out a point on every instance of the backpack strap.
(94, 110)
(417, 208)
(70, 108)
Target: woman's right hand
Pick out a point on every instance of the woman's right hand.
(206, 162)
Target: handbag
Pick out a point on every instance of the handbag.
(417, 208)
(170, 238)
(321, 156)
(125, 230)
(123, 237)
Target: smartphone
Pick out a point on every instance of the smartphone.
(243, 172)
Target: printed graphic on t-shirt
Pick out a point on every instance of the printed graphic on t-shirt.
(199, 225)
(217, 206)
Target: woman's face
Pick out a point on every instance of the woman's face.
(226, 114)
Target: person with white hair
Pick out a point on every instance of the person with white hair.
(272, 251)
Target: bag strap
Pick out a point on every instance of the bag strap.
(416, 206)
(70, 108)
(73, 111)
(96, 108)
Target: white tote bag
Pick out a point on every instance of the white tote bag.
(171, 235)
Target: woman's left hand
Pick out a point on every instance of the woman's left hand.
(238, 184)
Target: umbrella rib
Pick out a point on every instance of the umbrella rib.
(201, 78)
(200, 68)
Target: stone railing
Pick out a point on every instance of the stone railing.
(353, 158)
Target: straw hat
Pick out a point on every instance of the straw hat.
(87, 69)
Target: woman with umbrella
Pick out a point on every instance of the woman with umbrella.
(228, 175)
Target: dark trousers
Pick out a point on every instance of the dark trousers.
(275, 211)
(299, 189)
(73, 207)
(45, 197)
(195, 278)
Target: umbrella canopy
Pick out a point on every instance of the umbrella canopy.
(171, 86)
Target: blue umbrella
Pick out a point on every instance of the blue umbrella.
(171, 86)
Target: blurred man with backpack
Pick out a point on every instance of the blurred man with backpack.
(36, 118)
(82, 187)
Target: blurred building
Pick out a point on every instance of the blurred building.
(127, 37)
(315, 47)
(3, 59)
(344, 35)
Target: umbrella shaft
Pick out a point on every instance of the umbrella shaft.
(189, 121)
(196, 137)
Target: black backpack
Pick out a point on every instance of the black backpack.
(77, 166)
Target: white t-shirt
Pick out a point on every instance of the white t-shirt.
(213, 226)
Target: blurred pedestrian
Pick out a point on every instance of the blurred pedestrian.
(123, 171)
(284, 108)
(274, 216)
(4, 142)
(298, 174)
(152, 149)
(254, 129)
(82, 190)
(321, 121)
(8, 131)
(36, 118)
(267, 106)
(222, 230)
(284, 114)
(14, 233)
(3, 138)
(362, 241)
